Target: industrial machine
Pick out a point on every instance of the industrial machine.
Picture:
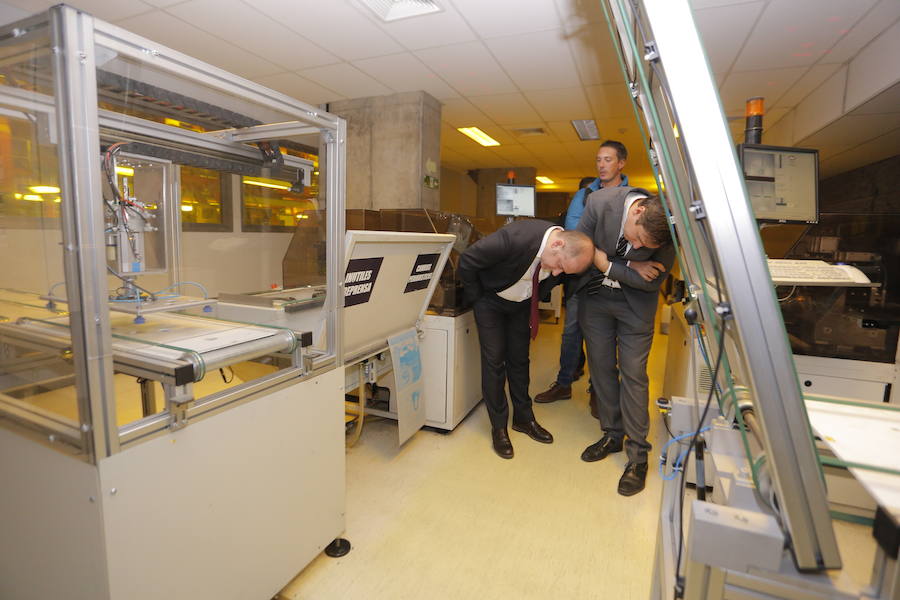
(751, 517)
(449, 338)
(146, 441)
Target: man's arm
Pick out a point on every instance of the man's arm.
(588, 220)
(483, 254)
(625, 275)
(576, 207)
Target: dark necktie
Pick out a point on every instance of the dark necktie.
(533, 318)
(596, 281)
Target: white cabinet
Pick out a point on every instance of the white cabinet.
(451, 363)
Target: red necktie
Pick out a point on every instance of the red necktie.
(533, 319)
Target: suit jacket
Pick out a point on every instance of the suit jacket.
(602, 220)
(499, 260)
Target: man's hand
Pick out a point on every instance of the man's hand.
(601, 261)
(647, 269)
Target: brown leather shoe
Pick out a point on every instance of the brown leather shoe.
(594, 404)
(633, 479)
(502, 445)
(554, 393)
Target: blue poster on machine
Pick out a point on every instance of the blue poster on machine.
(408, 383)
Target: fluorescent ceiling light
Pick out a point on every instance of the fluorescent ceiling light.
(586, 129)
(543, 179)
(391, 10)
(267, 183)
(479, 136)
(187, 208)
(44, 189)
(127, 171)
(32, 198)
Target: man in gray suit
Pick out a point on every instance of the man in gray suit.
(618, 296)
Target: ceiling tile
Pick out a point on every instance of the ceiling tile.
(850, 131)
(792, 33)
(173, 32)
(346, 80)
(255, 32)
(580, 14)
(882, 16)
(437, 29)
(596, 58)
(516, 131)
(701, 4)
(459, 112)
(336, 25)
(823, 106)
(505, 108)
(771, 84)
(887, 101)
(406, 73)
(724, 30)
(865, 154)
(563, 131)
(469, 68)
(162, 3)
(507, 17)
(560, 104)
(102, 9)
(300, 88)
(806, 84)
(611, 100)
(515, 154)
(874, 69)
(8, 14)
(536, 61)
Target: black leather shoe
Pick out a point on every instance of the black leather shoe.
(602, 449)
(594, 404)
(633, 479)
(502, 445)
(554, 393)
(534, 431)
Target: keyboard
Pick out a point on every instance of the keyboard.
(816, 272)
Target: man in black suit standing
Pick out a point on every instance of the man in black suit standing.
(500, 273)
(618, 296)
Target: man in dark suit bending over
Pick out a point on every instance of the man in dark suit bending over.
(617, 305)
(500, 273)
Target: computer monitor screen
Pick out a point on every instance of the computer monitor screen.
(515, 200)
(782, 183)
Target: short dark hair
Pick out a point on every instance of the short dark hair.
(585, 181)
(654, 220)
(619, 147)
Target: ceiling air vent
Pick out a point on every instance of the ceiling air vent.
(392, 10)
(528, 131)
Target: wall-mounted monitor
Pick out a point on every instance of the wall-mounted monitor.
(515, 200)
(782, 183)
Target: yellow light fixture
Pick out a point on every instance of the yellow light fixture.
(18, 196)
(44, 189)
(302, 216)
(267, 183)
(187, 208)
(127, 171)
(478, 135)
(675, 130)
(544, 180)
(32, 198)
(57, 199)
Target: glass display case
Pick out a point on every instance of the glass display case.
(94, 224)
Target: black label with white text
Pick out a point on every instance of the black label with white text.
(421, 272)
(360, 279)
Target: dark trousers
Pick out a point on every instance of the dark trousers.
(571, 352)
(618, 344)
(504, 338)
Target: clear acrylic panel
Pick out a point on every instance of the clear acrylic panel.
(36, 375)
(209, 265)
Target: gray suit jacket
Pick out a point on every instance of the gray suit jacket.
(601, 221)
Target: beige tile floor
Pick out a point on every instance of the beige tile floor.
(444, 518)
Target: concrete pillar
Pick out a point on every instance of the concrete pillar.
(393, 150)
